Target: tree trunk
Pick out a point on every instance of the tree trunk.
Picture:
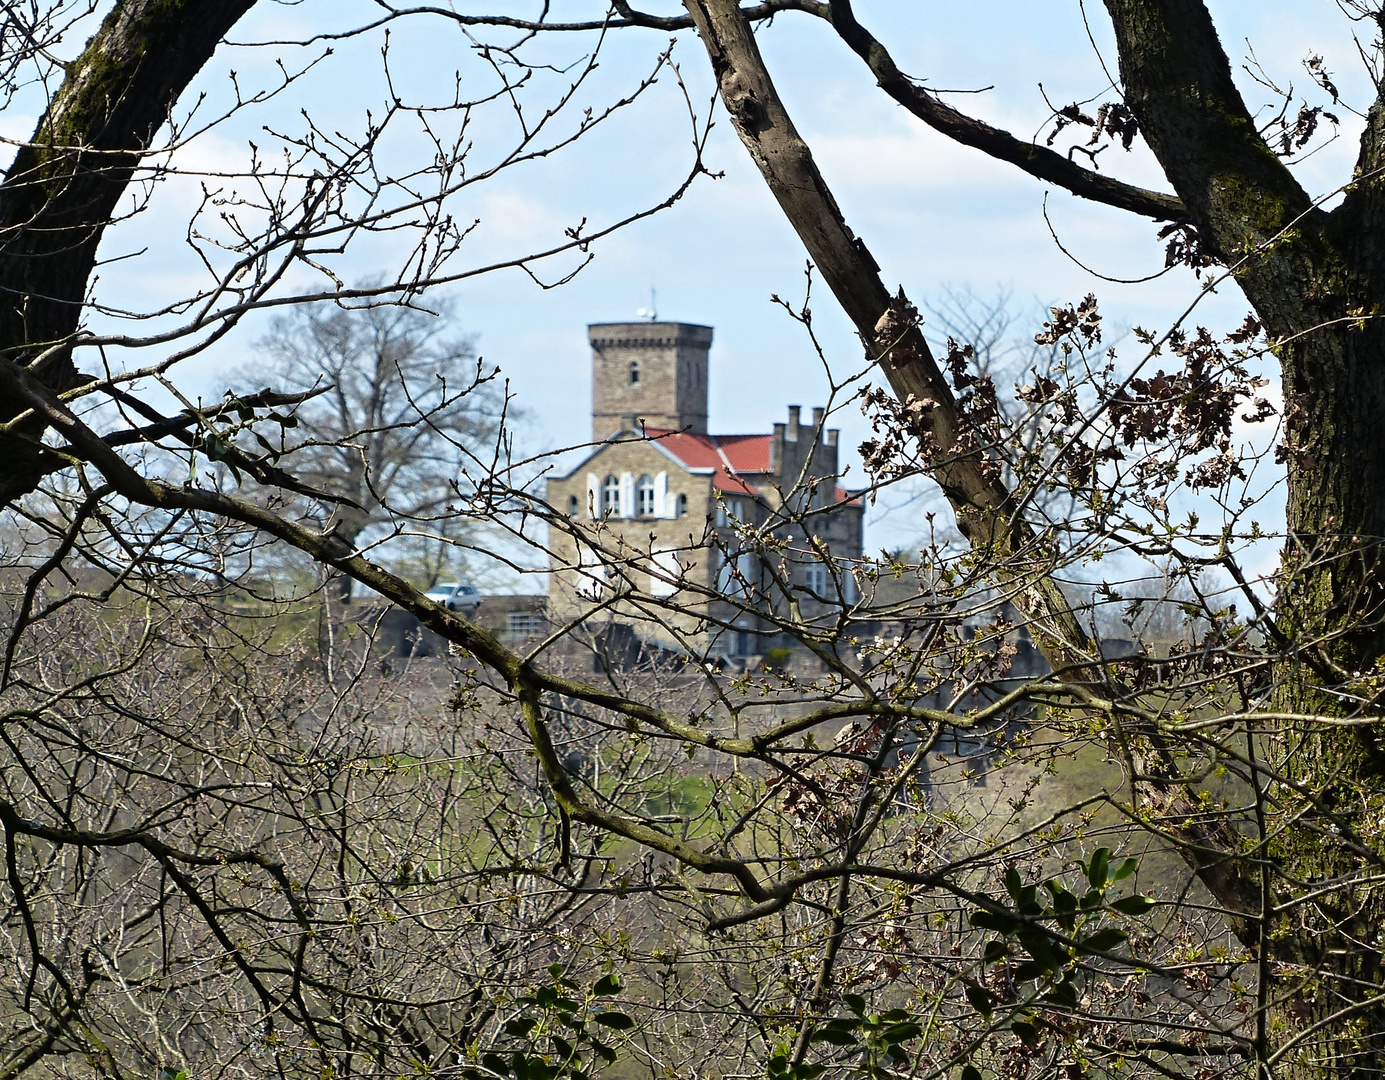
(1329, 612)
(63, 188)
(1316, 282)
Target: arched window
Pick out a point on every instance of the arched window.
(682, 506)
(634, 372)
(644, 496)
(573, 505)
(610, 496)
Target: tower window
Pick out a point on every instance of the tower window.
(572, 505)
(634, 372)
(610, 496)
(818, 581)
(682, 506)
(644, 496)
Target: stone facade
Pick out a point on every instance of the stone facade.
(651, 373)
(659, 517)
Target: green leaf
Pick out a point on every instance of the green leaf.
(602, 1049)
(1091, 900)
(1125, 869)
(495, 1063)
(895, 1016)
(835, 1036)
(901, 1033)
(616, 1020)
(555, 970)
(1096, 871)
(1103, 940)
(982, 1000)
(1063, 995)
(970, 1072)
(989, 920)
(1013, 883)
(564, 1047)
(856, 1003)
(520, 1026)
(1133, 905)
(809, 1072)
(1064, 902)
(1038, 945)
(995, 950)
(1027, 1032)
(606, 986)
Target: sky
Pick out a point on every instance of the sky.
(936, 216)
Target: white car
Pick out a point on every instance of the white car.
(455, 596)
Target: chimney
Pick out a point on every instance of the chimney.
(817, 422)
(776, 450)
(794, 411)
(832, 434)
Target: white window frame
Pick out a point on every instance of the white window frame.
(818, 580)
(666, 573)
(646, 496)
(592, 577)
(527, 623)
(593, 496)
(610, 496)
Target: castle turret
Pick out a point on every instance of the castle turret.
(653, 372)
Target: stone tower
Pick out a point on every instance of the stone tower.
(655, 372)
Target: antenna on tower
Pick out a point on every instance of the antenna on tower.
(652, 311)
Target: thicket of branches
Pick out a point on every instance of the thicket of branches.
(903, 847)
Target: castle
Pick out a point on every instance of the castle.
(669, 522)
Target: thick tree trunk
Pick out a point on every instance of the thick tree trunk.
(64, 186)
(1329, 611)
(1316, 281)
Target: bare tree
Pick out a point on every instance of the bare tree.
(1172, 867)
(398, 410)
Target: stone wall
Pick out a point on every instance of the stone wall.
(671, 363)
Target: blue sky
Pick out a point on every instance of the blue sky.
(935, 215)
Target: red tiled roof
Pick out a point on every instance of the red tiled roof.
(727, 455)
(746, 453)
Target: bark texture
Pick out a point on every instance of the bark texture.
(64, 186)
(1314, 279)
